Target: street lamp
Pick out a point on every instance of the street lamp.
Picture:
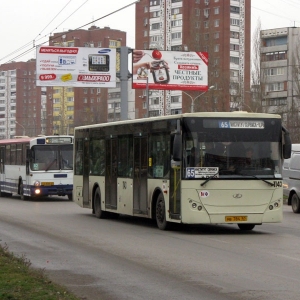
(193, 99)
(21, 126)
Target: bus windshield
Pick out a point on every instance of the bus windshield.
(229, 151)
(51, 157)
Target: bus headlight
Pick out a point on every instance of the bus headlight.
(37, 183)
(37, 191)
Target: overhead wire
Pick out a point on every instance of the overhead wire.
(33, 42)
(34, 45)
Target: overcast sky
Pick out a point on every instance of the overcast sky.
(25, 21)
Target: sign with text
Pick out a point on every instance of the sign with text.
(75, 66)
(170, 70)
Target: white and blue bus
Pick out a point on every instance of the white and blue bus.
(196, 168)
(36, 166)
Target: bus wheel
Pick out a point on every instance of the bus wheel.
(99, 213)
(21, 189)
(70, 197)
(246, 226)
(161, 222)
(295, 204)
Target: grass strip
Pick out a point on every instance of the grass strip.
(19, 281)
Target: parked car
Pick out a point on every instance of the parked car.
(291, 178)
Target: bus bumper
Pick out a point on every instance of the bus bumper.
(55, 190)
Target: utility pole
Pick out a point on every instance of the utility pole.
(124, 76)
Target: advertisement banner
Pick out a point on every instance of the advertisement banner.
(75, 66)
(169, 70)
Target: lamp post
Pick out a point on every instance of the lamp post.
(147, 96)
(193, 99)
(21, 126)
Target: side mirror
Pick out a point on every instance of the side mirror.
(287, 146)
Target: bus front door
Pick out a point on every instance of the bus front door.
(111, 174)
(140, 199)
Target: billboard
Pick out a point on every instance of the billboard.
(75, 66)
(169, 70)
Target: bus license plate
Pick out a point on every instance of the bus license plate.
(236, 218)
(47, 183)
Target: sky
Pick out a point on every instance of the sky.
(25, 23)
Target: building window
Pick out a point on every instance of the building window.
(154, 2)
(175, 11)
(234, 73)
(234, 47)
(113, 43)
(275, 41)
(274, 87)
(234, 35)
(197, 11)
(206, 24)
(145, 45)
(176, 35)
(84, 100)
(85, 90)
(145, 9)
(274, 71)
(217, 23)
(176, 23)
(206, 12)
(216, 35)
(234, 22)
(176, 111)
(155, 26)
(145, 33)
(70, 99)
(156, 14)
(197, 24)
(217, 48)
(234, 9)
(271, 56)
(175, 99)
(155, 101)
(217, 10)
(234, 60)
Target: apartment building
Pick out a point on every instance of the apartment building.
(280, 86)
(22, 103)
(221, 28)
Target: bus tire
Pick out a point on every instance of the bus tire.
(246, 226)
(99, 213)
(70, 197)
(21, 189)
(295, 201)
(160, 213)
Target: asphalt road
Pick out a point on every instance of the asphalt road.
(129, 258)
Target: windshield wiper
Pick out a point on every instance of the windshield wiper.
(211, 177)
(250, 175)
(208, 179)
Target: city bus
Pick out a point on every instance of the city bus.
(141, 168)
(36, 166)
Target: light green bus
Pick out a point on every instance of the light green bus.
(195, 168)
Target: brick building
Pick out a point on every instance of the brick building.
(221, 28)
